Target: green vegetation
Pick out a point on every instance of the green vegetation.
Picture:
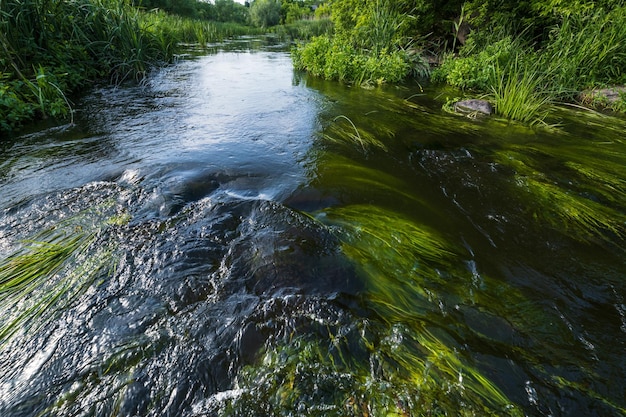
(417, 376)
(52, 269)
(585, 204)
(303, 30)
(292, 11)
(369, 45)
(265, 13)
(551, 58)
(520, 56)
(52, 48)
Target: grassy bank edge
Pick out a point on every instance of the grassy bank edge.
(84, 42)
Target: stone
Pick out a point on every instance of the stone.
(473, 105)
(607, 95)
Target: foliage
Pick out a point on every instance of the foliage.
(476, 71)
(292, 11)
(368, 46)
(302, 30)
(524, 55)
(531, 19)
(51, 48)
(14, 109)
(230, 11)
(265, 13)
(523, 72)
(335, 59)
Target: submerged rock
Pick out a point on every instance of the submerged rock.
(473, 105)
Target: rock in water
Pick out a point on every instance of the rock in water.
(474, 105)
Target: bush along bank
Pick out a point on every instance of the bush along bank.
(369, 44)
(52, 48)
(521, 57)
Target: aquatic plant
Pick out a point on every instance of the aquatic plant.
(338, 133)
(49, 271)
(570, 211)
(401, 259)
(397, 375)
(399, 362)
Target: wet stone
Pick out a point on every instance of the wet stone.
(473, 105)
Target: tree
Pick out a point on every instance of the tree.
(230, 11)
(265, 13)
(294, 10)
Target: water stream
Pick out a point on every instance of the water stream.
(232, 238)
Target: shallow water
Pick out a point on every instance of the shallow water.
(256, 242)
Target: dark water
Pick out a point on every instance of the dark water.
(255, 242)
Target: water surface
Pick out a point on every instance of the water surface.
(250, 241)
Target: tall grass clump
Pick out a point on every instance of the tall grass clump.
(586, 50)
(518, 93)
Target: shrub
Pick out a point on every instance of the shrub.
(475, 71)
(336, 59)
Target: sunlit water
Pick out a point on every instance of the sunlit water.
(267, 244)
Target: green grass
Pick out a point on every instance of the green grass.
(518, 91)
(522, 77)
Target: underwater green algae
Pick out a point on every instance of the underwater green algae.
(400, 258)
(586, 203)
(401, 362)
(398, 375)
(52, 269)
(345, 176)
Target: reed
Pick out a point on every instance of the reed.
(518, 91)
(585, 50)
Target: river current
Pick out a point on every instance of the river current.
(231, 237)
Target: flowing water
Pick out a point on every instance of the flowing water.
(233, 238)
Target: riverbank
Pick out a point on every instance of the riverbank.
(521, 58)
(50, 50)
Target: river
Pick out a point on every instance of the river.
(230, 237)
